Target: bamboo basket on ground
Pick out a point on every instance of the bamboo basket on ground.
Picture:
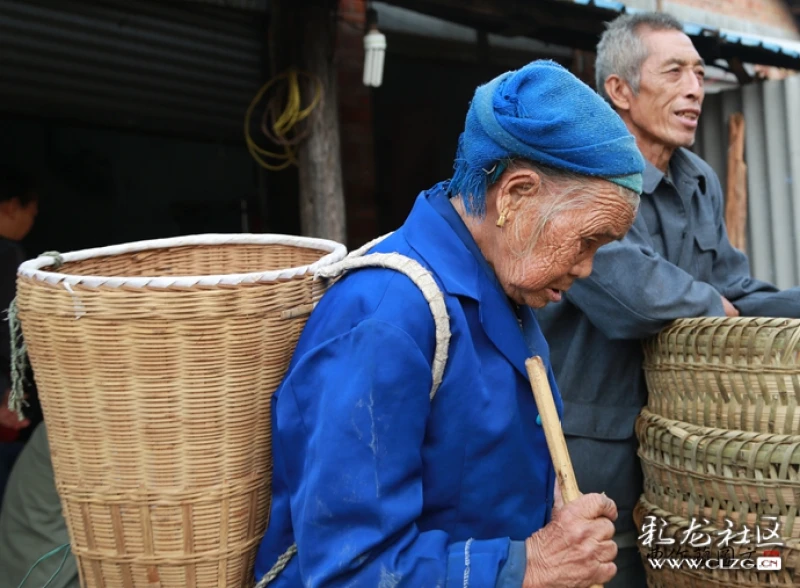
(716, 474)
(676, 529)
(719, 440)
(731, 373)
(155, 363)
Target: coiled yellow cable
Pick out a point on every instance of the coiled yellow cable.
(285, 123)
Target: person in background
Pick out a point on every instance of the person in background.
(18, 208)
(675, 262)
(32, 525)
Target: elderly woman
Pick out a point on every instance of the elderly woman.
(376, 483)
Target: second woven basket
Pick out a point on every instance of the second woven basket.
(719, 441)
(731, 373)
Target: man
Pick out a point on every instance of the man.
(675, 262)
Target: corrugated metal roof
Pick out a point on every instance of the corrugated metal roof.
(721, 43)
(146, 65)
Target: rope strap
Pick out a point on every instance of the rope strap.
(275, 571)
(19, 350)
(423, 279)
(19, 361)
(427, 285)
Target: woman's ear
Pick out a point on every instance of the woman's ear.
(619, 91)
(515, 188)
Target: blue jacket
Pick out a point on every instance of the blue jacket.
(377, 484)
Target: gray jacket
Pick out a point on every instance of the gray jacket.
(32, 525)
(675, 262)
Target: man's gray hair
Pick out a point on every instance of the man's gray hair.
(621, 50)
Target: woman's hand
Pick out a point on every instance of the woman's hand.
(575, 550)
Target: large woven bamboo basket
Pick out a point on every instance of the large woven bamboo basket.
(155, 363)
(718, 474)
(676, 528)
(731, 373)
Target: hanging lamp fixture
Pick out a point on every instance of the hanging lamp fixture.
(374, 51)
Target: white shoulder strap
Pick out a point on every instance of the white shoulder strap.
(433, 295)
(421, 277)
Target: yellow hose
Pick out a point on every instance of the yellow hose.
(292, 114)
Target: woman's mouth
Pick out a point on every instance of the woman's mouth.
(553, 295)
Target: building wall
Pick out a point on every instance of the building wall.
(758, 17)
(772, 156)
(400, 138)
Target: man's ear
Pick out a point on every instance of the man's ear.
(619, 91)
(515, 187)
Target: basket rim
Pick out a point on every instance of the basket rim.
(32, 268)
(727, 321)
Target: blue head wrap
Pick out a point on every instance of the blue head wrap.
(544, 114)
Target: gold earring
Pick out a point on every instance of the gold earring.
(502, 220)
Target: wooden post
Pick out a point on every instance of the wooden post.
(736, 189)
(303, 35)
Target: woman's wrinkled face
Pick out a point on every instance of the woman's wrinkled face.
(534, 271)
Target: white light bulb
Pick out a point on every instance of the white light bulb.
(374, 53)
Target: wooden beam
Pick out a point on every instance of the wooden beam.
(736, 185)
(303, 36)
(552, 21)
(444, 50)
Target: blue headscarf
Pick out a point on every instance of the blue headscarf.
(544, 114)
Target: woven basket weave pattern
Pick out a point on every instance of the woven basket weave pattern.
(717, 474)
(705, 578)
(730, 373)
(157, 402)
(720, 438)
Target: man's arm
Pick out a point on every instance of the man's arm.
(633, 292)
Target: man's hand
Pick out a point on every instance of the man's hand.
(8, 418)
(576, 549)
(730, 309)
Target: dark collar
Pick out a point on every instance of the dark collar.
(682, 167)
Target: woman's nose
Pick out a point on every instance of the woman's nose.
(583, 267)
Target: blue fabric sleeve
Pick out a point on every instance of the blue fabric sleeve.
(513, 572)
(633, 292)
(731, 274)
(352, 417)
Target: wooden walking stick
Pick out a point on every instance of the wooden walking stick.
(556, 443)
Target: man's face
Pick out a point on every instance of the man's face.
(666, 109)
